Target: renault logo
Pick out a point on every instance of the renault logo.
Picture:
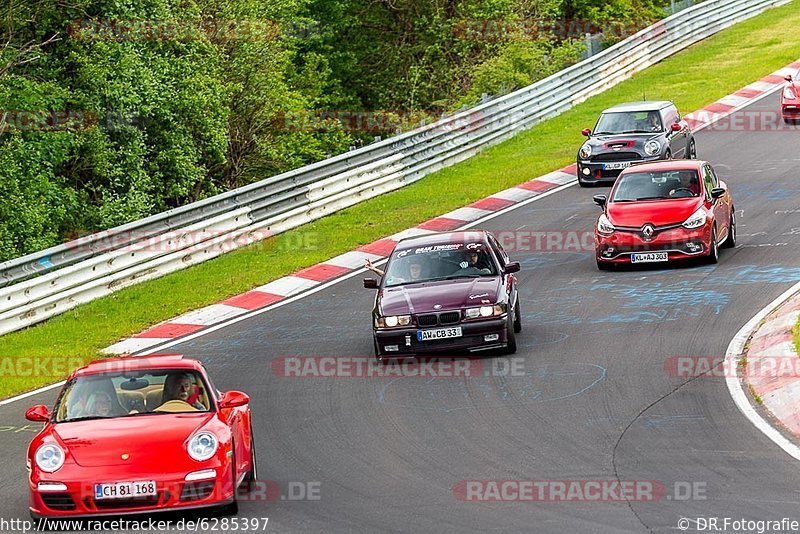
(125, 456)
(648, 230)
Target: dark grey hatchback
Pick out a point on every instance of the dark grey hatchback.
(635, 132)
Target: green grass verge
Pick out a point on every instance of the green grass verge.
(692, 79)
(796, 333)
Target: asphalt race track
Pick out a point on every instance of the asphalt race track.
(595, 401)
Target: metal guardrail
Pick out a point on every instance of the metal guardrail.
(41, 285)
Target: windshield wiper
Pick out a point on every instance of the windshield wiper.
(636, 131)
(651, 198)
(85, 418)
(603, 133)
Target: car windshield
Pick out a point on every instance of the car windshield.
(439, 262)
(110, 395)
(628, 122)
(656, 185)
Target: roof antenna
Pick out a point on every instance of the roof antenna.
(644, 95)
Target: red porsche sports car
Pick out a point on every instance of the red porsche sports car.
(139, 434)
(659, 212)
(790, 98)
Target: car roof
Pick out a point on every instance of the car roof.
(667, 165)
(469, 236)
(644, 105)
(138, 363)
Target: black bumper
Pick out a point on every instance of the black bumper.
(471, 340)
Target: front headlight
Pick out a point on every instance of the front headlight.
(49, 458)
(585, 151)
(393, 320)
(485, 311)
(604, 225)
(652, 148)
(788, 93)
(203, 446)
(696, 220)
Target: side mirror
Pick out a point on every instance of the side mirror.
(233, 399)
(600, 200)
(676, 127)
(37, 413)
(511, 267)
(788, 77)
(717, 192)
(370, 283)
(586, 132)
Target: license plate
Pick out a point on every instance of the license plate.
(124, 490)
(439, 333)
(616, 165)
(649, 257)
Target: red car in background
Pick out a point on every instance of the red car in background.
(139, 434)
(790, 98)
(665, 211)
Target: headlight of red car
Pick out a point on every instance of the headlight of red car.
(202, 446)
(604, 225)
(695, 220)
(49, 457)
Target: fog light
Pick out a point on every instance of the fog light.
(51, 486)
(586, 171)
(205, 474)
(391, 348)
(491, 337)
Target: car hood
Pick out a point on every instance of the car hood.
(624, 142)
(446, 294)
(149, 440)
(655, 212)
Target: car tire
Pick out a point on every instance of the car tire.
(511, 337)
(603, 266)
(668, 154)
(517, 318)
(691, 152)
(713, 253)
(583, 184)
(730, 242)
(252, 474)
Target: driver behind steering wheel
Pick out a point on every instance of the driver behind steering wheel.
(178, 386)
(473, 260)
(689, 184)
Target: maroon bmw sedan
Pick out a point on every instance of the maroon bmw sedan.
(446, 293)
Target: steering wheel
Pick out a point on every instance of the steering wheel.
(176, 405)
(691, 193)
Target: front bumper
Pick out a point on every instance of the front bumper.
(477, 335)
(596, 172)
(679, 244)
(173, 492)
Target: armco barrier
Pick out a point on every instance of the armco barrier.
(46, 283)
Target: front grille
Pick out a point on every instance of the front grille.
(197, 490)
(58, 501)
(617, 156)
(135, 502)
(426, 320)
(449, 317)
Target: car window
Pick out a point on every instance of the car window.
(708, 179)
(439, 262)
(109, 395)
(713, 175)
(671, 115)
(658, 185)
(498, 250)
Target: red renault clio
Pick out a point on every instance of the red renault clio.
(664, 211)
